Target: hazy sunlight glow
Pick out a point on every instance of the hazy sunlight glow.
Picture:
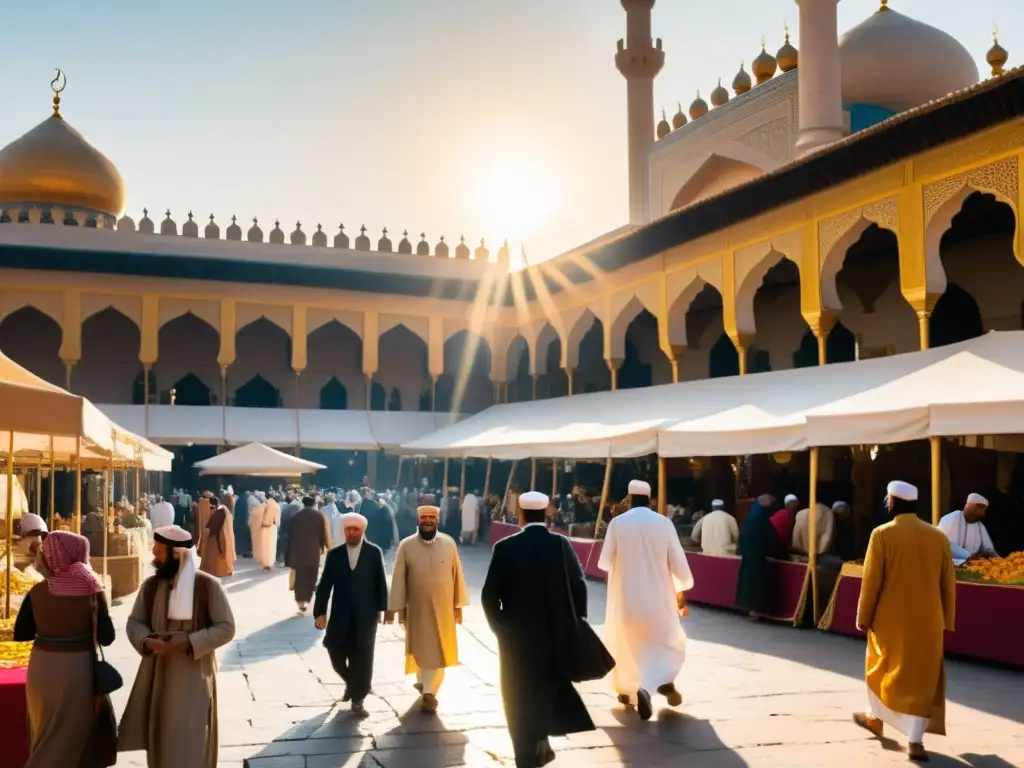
(516, 199)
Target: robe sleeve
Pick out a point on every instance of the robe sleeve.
(490, 597)
(826, 532)
(608, 549)
(577, 578)
(734, 530)
(986, 541)
(677, 564)
(104, 626)
(696, 532)
(228, 533)
(137, 628)
(947, 526)
(328, 543)
(381, 585)
(398, 599)
(871, 582)
(222, 631)
(948, 595)
(323, 589)
(25, 623)
(461, 592)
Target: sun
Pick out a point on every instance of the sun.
(515, 198)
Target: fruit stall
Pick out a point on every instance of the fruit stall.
(989, 609)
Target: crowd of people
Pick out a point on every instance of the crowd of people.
(534, 599)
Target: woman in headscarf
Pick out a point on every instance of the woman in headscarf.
(755, 590)
(217, 544)
(68, 724)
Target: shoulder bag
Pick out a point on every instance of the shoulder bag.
(106, 679)
(588, 657)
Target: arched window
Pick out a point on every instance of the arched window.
(334, 396)
(956, 318)
(257, 393)
(378, 397)
(188, 390)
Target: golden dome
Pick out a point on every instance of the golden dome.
(698, 107)
(741, 83)
(997, 56)
(664, 129)
(53, 165)
(679, 118)
(764, 65)
(719, 96)
(787, 55)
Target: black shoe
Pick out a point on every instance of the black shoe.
(675, 698)
(347, 696)
(358, 709)
(428, 705)
(624, 699)
(545, 754)
(643, 704)
(418, 686)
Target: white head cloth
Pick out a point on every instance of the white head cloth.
(533, 500)
(31, 523)
(718, 504)
(180, 605)
(639, 488)
(974, 498)
(790, 497)
(353, 518)
(901, 490)
(352, 499)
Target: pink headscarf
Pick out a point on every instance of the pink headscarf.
(67, 556)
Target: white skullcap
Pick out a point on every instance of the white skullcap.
(790, 497)
(31, 523)
(173, 536)
(353, 518)
(839, 504)
(718, 504)
(901, 490)
(974, 498)
(428, 509)
(533, 500)
(639, 488)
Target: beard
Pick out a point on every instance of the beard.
(428, 533)
(168, 569)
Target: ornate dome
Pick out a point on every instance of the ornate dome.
(764, 65)
(719, 96)
(53, 164)
(787, 55)
(663, 129)
(741, 83)
(679, 118)
(698, 107)
(895, 62)
(997, 56)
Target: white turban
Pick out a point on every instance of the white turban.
(180, 605)
(901, 490)
(31, 523)
(533, 500)
(718, 504)
(639, 488)
(974, 498)
(790, 497)
(353, 518)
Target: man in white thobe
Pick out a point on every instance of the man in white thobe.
(966, 532)
(826, 525)
(647, 576)
(264, 521)
(333, 520)
(470, 518)
(161, 514)
(717, 532)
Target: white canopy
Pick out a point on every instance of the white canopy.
(257, 460)
(972, 388)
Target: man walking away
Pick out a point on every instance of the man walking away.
(907, 602)
(355, 585)
(470, 519)
(647, 576)
(526, 601)
(306, 534)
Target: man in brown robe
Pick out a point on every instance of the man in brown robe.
(308, 537)
(180, 618)
(907, 602)
(428, 592)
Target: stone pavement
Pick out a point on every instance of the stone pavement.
(755, 695)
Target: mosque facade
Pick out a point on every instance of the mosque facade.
(858, 198)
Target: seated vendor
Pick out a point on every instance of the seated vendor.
(825, 521)
(966, 533)
(717, 532)
(33, 531)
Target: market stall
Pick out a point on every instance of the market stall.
(256, 460)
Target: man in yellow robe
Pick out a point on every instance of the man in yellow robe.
(428, 592)
(907, 602)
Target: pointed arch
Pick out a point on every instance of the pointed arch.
(467, 363)
(571, 346)
(188, 390)
(541, 359)
(257, 392)
(753, 282)
(620, 323)
(32, 339)
(723, 360)
(188, 345)
(110, 357)
(716, 174)
(334, 396)
(956, 318)
(403, 364)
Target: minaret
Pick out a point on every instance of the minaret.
(819, 76)
(639, 59)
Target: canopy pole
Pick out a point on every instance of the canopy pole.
(812, 533)
(398, 476)
(487, 479)
(9, 520)
(39, 488)
(554, 479)
(462, 480)
(662, 486)
(53, 477)
(508, 487)
(604, 495)
(77, 514)
(108, 476)
(533, 473)
(138, 494)
(936, 446)
(444, 479)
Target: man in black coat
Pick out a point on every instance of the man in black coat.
(526, 600)
(354, 573)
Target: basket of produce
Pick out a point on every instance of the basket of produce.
(1007, 570)
(14, 654)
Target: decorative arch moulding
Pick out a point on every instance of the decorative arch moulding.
(1001, 178)
(884, 213)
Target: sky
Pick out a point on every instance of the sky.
(484, 118)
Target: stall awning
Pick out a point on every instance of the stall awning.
(335, 430)
(257, 460)
(392, 429)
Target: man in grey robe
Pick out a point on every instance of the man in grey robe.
(180, 618)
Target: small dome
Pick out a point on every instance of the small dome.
(462, 250)
(719, 96)
(481, 253)
(441, 249)
(190, 228)
(276, 234)
(404, 246)
(423, 247)
(997, 56)
(341, 239)
(678, 119)
(255, 234)
(384, 244)
(126, 224)
(319, 237)
(53, 163)
(664, 129)
(764, 66)
(698, 107)
(211, 231)
(362, 242)
(787, 55)
(234, 232)
(146, 224)
(741, 83)
(895, 62)
(298, 237)
(168, 225)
